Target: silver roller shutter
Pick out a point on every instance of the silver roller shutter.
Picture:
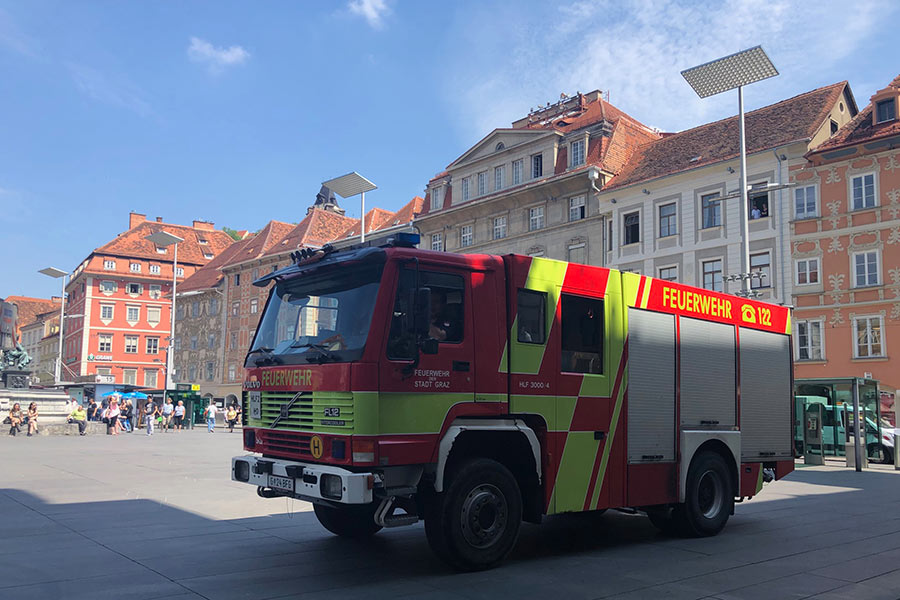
(708, 395)
(651, 386)
(765, 395)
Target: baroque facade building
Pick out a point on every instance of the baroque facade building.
(846, 248)
(623, 195)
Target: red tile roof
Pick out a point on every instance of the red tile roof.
(264, 240)
(790, 120)
(375, 219)
(861, 129)
(317, 229)
(210, 274)
(131, 243)
(30, 308)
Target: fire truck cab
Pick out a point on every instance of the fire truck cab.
(390, 384)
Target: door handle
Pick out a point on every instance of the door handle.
(460, 365)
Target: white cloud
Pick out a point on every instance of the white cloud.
(373, 11)
(636, 49)
(108, 89)
(216, 59)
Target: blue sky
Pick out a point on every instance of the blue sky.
(235, 112)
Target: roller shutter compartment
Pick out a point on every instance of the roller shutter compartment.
(765, 395)
(708, 395)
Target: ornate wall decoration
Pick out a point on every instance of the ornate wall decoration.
(895, 311)
(834, 216)
(536, 250)
(836, 318)
(872, 165)
(894, 206)
(835, 245)
(892, 163)
(836, 280)
(833, 176)
(875, 242)
(894, 236)
(814, 249)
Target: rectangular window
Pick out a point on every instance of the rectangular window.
(106, 312)
(153, 315)
(155, 291)
(150, 378)
(152, 345)
(211, 341)
(517, 168)
(759, 201)
(129, 376)
(531, 320)
(437, 242)
(107, 287)
(195, 309)
(886, 110)
(210, 370)
(711, 206)
(498, 178)
(235, 309)
(160, 250)
(447, 321)
(577, 148)
(863, 187)
(465, 236)
(712, 275)
(192, 372)
(237, 279)
(761, 271)
(632, 222)
(233, 341)
(134, 289)
(482, 183)
(577, 208)
(131, 344)
(865, 269)
(809, 340)
(537, 166)
(499, 229)
(179, 312)
(109, 265)
(179, 272)
(193, 342)
(133, 314)
(104, 342)
(868, 337)
(582, 335)
(232, 373)
(437, 198)
(135, 267)
(154, 269)
(213, 306)
(807, 271)
(177, 342)
(465, 188)
(535, 218)
(576, 253)
(668, 273)
(668, 220)
(255, 275)
(254, 306)
(805, 202)
(609, 235)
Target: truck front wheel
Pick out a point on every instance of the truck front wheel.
(709, 498)
(475, 523)
(350, 520)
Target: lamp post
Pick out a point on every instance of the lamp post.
(349, 185)
(58, 274)
(720, 75)
(164, 239)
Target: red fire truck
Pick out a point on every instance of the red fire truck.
(390, 384)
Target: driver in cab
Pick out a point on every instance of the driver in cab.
(446, 324)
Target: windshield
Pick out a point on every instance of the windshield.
(321, 316)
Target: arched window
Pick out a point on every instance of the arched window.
(499, 146)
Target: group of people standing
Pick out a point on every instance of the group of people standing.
(17, 418)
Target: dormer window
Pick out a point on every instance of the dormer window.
(160, 250)
(834, 127)
(577, 153)
(886, 110)
(202, 241)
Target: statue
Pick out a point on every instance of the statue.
(16, 359)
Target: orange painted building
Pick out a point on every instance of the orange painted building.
(845, 245)
(119, 299)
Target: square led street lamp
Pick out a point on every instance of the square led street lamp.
(352, 184)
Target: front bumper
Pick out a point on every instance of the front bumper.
(306, 481)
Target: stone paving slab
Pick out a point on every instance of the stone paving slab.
(142, 518)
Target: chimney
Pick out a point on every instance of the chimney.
(159, 219)
(135, 219)
(204, 225)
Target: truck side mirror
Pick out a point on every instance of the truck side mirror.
(422, 311)
(429, 346)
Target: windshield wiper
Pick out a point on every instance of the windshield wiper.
(320, 348)
(268, 358)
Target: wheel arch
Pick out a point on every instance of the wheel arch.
(726, 444)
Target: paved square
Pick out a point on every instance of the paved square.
(137, 517)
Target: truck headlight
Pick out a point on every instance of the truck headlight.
(330, 486)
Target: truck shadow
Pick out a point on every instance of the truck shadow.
(145, 549)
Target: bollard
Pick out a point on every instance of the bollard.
(896, 433)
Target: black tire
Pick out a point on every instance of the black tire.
(475, 523)
(354, 521)
(709, 497)
(887, 455)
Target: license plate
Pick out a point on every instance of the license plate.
(255, 401)
(285, 484)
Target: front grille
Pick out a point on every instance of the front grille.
(307, 412)
(288, 444)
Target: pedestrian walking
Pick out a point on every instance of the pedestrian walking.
(210, 413)
(79, 416)
(93, 410)
(32, 418)
(150, 412)
(231, 418)
(168, 411)
(15, 419)
(178, 416)
(111, 417)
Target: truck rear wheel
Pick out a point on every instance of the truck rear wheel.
(350, 520)
(475, 523)
(709, 498)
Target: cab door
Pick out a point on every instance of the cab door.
(418, 390)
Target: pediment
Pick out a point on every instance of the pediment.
(490, 145)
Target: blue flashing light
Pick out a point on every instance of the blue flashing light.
(406, 239)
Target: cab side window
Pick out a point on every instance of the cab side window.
(531, 317)
(582, 335)
(446, 322)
